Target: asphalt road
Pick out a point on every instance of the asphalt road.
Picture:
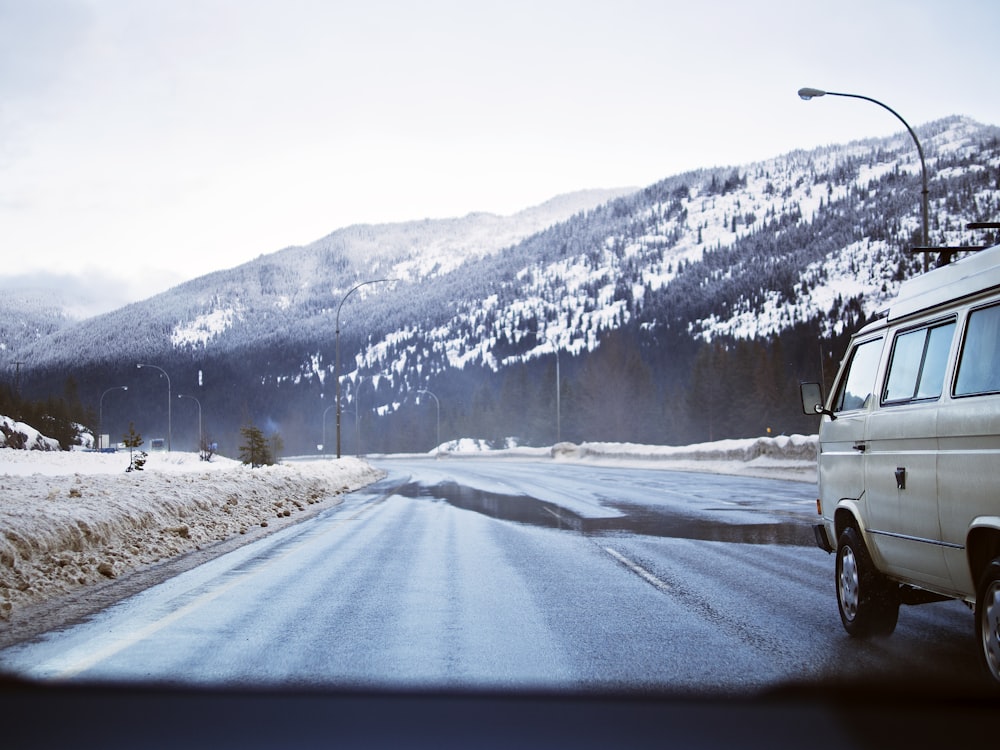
(516, 575)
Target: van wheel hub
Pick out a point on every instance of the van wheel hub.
(847, 587)
(990, 623)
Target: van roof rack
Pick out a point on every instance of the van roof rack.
(945, 254)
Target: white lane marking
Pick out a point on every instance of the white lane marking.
(638, 570)
(120, 644)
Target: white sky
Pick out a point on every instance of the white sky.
(146, 142)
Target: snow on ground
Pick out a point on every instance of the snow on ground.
(69, 520)
(790, 457)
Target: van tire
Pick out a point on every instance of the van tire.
(867, 600)
(988, 621)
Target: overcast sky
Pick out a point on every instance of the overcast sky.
(146, 142)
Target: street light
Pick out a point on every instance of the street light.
(200, 435)
(169, 406)
(438, 448)
(100, 412)
(809, 93)
(336, 368)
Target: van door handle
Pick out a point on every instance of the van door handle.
(860, 447)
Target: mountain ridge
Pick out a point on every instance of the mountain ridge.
(710, 263)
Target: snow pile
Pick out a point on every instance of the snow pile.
(796, 448)
(790, 457)
(20, 435)
(473, 445)
(465, 445)
(68, 519)
(784, 456)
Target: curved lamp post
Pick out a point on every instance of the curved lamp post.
(336, 369)
(200, 435)
(438, 448)
(100, 411)
(810, 93)
(169, 421)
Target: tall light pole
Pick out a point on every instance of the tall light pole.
(336, 368)
(100, 412)
(357, 429)
(200, 435)
(357, 417)
(555, 348)
(810, 93)
(169, 405)
(438, 416)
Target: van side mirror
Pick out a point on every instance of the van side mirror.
(812, 400)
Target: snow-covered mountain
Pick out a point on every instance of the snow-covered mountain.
(680, 312)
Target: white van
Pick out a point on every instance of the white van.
(909, 462)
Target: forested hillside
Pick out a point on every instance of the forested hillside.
(27, 316)
(682, 312)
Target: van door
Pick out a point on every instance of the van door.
(901, 485)
(841, 465)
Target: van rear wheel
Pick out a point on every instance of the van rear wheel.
(988, 620)
(868, 601)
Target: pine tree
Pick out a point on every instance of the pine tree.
(254, 450)
(132, 441)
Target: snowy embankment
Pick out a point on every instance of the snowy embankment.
(784, 457)
(791, 457)
(69, 519)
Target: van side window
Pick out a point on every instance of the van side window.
(856, 386)
(979, 364)
(919, 359)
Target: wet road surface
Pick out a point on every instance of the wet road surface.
(506, 574)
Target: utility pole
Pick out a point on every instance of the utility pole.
(17, 377)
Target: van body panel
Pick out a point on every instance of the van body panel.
(842, 444)
(841, 469)
(968, 477)
(903, 524)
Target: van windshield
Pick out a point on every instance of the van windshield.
(856, 385)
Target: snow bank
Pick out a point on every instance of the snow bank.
(69, 519)
(791, 457)
(784, 457)
(794, 448)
